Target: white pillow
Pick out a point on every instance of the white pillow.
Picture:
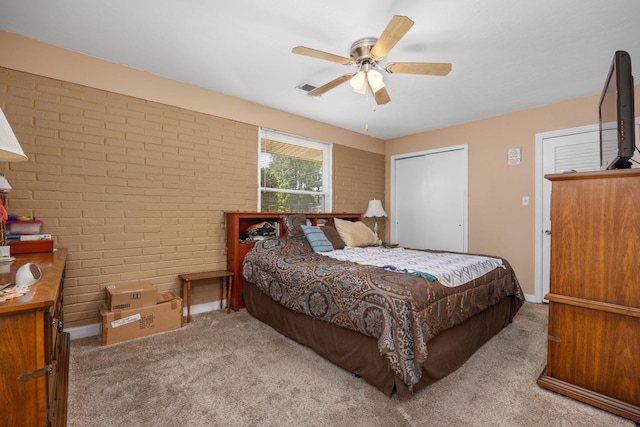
(356, 234)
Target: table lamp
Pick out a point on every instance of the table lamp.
(376, 211)
(10, 151)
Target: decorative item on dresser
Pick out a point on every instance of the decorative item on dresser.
(594, 299)
(236, 222)
(35, 351)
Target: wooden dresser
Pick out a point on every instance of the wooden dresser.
(34, 352)
(594, 300)
(237, 250)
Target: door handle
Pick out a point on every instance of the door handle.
(547, 232)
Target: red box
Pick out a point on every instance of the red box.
(30, 246)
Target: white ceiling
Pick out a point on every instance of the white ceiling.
(507, 55)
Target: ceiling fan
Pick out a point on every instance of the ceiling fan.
(366, 54)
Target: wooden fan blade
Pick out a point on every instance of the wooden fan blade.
(396, 29)
(382, 96)
(431, 69)
(314, 53)
(327, 87)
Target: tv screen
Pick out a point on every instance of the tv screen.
(617, 137)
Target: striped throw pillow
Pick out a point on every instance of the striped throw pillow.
(316, 238)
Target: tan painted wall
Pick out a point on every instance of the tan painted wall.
(20, 53)
(498, 223)
(136, 189)
(357, 178)
(131, 171)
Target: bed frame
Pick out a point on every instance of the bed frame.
(237, 250)
(358, 353)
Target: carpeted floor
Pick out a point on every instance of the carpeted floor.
(232, 370)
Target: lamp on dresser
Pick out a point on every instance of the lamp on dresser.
(375, 210)
(10, 151)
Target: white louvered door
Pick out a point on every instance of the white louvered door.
(577, 151)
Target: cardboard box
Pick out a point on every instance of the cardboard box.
(130, 295)
(123, 325)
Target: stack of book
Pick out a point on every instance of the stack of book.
(24, 236)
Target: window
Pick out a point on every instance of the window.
(295, 173)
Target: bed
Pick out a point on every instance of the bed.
(399, 330)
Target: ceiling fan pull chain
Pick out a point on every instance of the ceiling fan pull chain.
(366, 114)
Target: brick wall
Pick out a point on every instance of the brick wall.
(358, 176)
(136, 190)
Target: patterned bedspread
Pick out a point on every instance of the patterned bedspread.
(402, 311)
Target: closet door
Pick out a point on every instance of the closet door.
(430, 208)
(411, 185)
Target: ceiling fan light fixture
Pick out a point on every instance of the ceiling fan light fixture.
(375, 80)
(366, 54)
(359, 82)
(378, 87)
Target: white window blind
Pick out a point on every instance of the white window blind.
(579, 157)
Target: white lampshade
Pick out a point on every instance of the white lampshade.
(375, 209)
(359, 82)
(375, 80)
(367, 76)
(10, 149)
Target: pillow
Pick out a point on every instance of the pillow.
(316, 238)
(292, 225)
(356, 234)
(332, 235)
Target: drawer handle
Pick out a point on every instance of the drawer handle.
(554, 339)
(26, 376)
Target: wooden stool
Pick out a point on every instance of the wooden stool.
(186, 279)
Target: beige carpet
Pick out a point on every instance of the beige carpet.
(232, 370)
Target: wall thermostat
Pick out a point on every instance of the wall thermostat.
(513, 156)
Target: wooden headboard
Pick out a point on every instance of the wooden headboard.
(237, 249)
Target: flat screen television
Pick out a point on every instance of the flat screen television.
(617, 132)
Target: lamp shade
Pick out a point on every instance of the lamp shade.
(375, 209)
(375, 80)
(358, 82)
(10, 149)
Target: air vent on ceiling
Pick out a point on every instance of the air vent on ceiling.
(306, 87)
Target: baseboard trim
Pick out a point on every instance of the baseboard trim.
(203, 308)
(94, 329)
(78, 332)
